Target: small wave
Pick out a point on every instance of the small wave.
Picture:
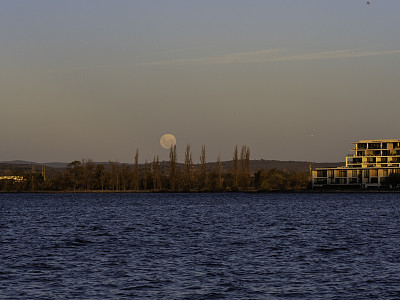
(334, 249)
(96, 228)
(289, 229)
(239, 243)
(78, 242)
(138, 287)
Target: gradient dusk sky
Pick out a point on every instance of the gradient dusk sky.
(293, 80)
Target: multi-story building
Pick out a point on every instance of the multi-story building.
(369, 166)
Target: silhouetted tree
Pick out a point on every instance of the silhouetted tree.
(125, 176)
(145, 175)
(235, 164)
(115, 175)
(155, 171)
(188, 170)
(75, 171)
(101, 175)
(203, 170)
(245, 167)
(136, 171)
(219, 173)
(172, 168)
(87, 174)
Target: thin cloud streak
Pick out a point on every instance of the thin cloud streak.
(241, 57)
(88, 68)
(271, 55)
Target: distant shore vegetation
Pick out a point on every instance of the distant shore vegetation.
(155, 176)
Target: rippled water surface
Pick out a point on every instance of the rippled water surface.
(199, 246)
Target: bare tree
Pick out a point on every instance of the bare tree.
(136, 171)
(115, 175)
(172, 168)
(87, 174)
(126, 176)
(203, 170)
(219, 173)
(74, 170)
(101, 175)
(145, 175)
(245, 167)
(235, 162)
(188, 170)
(155, 171)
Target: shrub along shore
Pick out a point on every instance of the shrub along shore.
(88, 176)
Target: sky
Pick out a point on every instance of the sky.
(292, 80)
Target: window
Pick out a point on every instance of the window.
(340, 180)
(374, 145)
(353, 180)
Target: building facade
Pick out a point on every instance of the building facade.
(370, 165)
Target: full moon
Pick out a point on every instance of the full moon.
(167, 141)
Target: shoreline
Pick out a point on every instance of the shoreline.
(371, 191)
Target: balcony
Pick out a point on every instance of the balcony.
(374, 146)
(340, 180)
(354, 180)
(341, 173)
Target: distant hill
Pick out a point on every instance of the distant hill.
(30, 163)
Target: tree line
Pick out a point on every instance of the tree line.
(156, 176)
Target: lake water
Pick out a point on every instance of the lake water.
(200, 246)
